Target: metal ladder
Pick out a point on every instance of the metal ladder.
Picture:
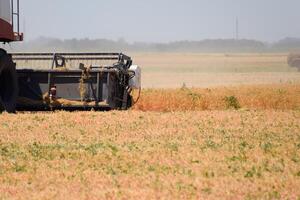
(15, 15)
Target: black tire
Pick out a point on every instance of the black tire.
(8, 83)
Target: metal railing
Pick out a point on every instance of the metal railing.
(71, 60)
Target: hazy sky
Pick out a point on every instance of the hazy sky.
(160, 20)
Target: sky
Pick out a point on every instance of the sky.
(160, 20)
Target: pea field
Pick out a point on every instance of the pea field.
(206, 126)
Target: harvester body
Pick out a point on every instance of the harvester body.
(9, 32)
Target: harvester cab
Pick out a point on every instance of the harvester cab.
(9, 21)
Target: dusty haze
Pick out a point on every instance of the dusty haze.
(161, 21)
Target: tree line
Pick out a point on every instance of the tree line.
(203, 46)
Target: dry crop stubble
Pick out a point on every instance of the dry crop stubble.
(172, 70)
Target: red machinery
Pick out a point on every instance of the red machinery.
(9, 32)
(9, 21)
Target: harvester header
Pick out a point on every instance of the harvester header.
(75, 81)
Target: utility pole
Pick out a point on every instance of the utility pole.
(237, 29)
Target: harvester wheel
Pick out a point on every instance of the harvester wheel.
(8, 83)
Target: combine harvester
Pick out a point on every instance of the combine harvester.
(69, 81)
(294, 60)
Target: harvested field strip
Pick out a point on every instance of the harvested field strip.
(150, 155)
(280, 96)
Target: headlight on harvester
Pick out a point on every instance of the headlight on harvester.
(135, 81)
